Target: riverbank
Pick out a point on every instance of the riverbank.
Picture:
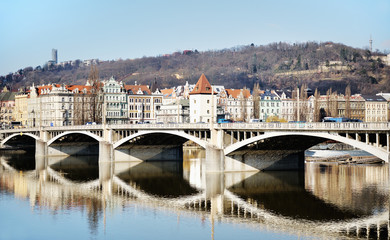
(341, 157)
(12, 151)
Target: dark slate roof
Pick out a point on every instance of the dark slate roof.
(287, 92)
(374, 98)
(266, 94)
(7, 96)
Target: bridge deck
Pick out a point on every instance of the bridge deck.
(317, 126)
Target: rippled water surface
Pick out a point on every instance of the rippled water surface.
(65, 198)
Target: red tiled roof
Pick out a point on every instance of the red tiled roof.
(236, 92)
(167, 92)
(135, 88)
(80, 87)
(41, 88)
(203, 86)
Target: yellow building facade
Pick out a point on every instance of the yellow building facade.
(20, 113)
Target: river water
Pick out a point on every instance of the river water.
(68, 198)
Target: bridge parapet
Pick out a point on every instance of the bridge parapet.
(315, 126)
(323, 126)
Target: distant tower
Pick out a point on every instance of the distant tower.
(54, 56)
(370, 43)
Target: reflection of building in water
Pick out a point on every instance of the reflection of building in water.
(345, 185)
(192, 166)
(50, 194)
(216, 199)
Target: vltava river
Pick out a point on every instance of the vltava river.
(72, 198)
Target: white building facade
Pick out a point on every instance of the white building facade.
(203, 102)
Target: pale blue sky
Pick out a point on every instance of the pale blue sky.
(112, 29)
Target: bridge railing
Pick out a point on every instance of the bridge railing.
(309, 126)
(169, 126)
(322, 126)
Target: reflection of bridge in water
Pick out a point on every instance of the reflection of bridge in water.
(213, 199)
(282, 145)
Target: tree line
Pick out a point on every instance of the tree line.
(275, 66)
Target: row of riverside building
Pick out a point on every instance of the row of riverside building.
(113, 102)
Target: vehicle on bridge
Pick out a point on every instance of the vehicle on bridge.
(340, 119)
(255, 120)
(222, 120)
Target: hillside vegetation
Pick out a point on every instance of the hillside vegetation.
(277, 65)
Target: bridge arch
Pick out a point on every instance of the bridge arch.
(380, 153)
(18, 134)
(182, 134)
(87, 133)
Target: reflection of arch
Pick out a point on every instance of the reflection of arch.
(19, 134)
(87, 133)
(94, 184)
(7, 166)
(251, 210)
(380, 153)
(151, 198)
(176, 133)
(325, 227)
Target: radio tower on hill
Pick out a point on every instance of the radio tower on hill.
(370, 43)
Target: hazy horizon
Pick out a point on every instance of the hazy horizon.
(128, 30)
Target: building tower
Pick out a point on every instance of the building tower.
(54, 56)
(202, 99)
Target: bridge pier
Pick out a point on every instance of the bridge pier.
(41, 148)
(40, 163)
(105, 161)
(105, 152)
(215, 156)
(214, 159)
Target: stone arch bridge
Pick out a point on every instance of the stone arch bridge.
(229, 146)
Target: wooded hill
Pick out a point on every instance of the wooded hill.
(274, 66)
